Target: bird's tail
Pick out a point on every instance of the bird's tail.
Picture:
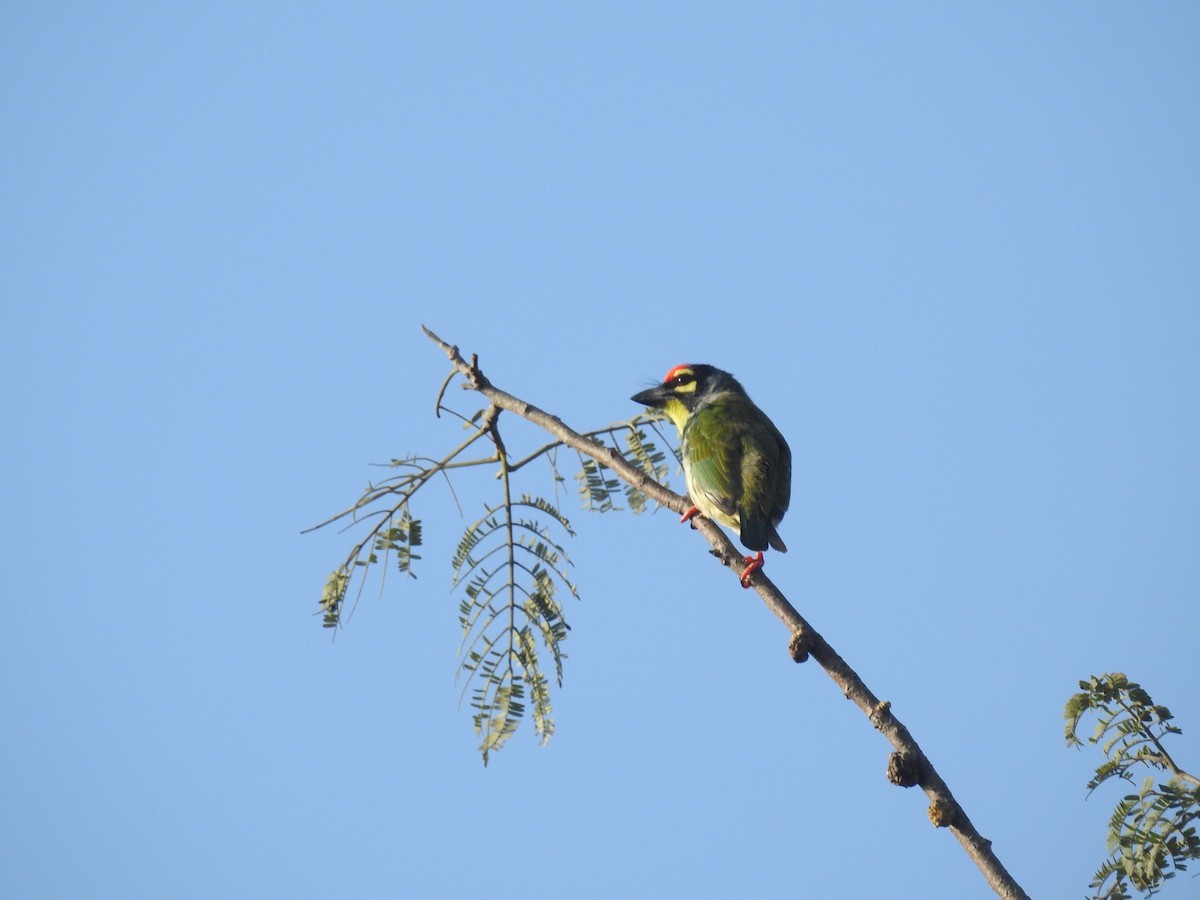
(776, 541)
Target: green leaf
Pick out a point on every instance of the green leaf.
(1150, 833)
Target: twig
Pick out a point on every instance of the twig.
(546, 448)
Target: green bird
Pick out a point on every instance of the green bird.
(737, 465)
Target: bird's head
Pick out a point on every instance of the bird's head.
(685, 388)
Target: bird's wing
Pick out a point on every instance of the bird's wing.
(781, 475)
(765, 478)
(714, 464)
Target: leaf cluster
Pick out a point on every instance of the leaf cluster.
(1151, 834)
(600, 490)
(395, 532)
(509, 564)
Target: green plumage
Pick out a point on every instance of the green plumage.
(737, 464)
(738, 468)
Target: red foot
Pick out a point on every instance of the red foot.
(690, 514)
(753, 564)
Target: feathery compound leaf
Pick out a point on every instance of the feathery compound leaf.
(510, 569)
(1151, 834)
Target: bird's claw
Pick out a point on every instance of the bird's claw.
(753, 564)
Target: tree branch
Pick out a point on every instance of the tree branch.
(909, 762)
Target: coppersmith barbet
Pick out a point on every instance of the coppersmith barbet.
(737, 465)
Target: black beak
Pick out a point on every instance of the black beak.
(655, 397)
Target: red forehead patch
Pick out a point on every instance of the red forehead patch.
(675, 371)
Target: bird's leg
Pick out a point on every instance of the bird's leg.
(690, 514)
(753, 564)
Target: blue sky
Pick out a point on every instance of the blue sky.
(951, 249)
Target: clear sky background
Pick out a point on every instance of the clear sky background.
(950, 248)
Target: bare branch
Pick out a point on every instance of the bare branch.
(417, 480)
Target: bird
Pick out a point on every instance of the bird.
(737, 465)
